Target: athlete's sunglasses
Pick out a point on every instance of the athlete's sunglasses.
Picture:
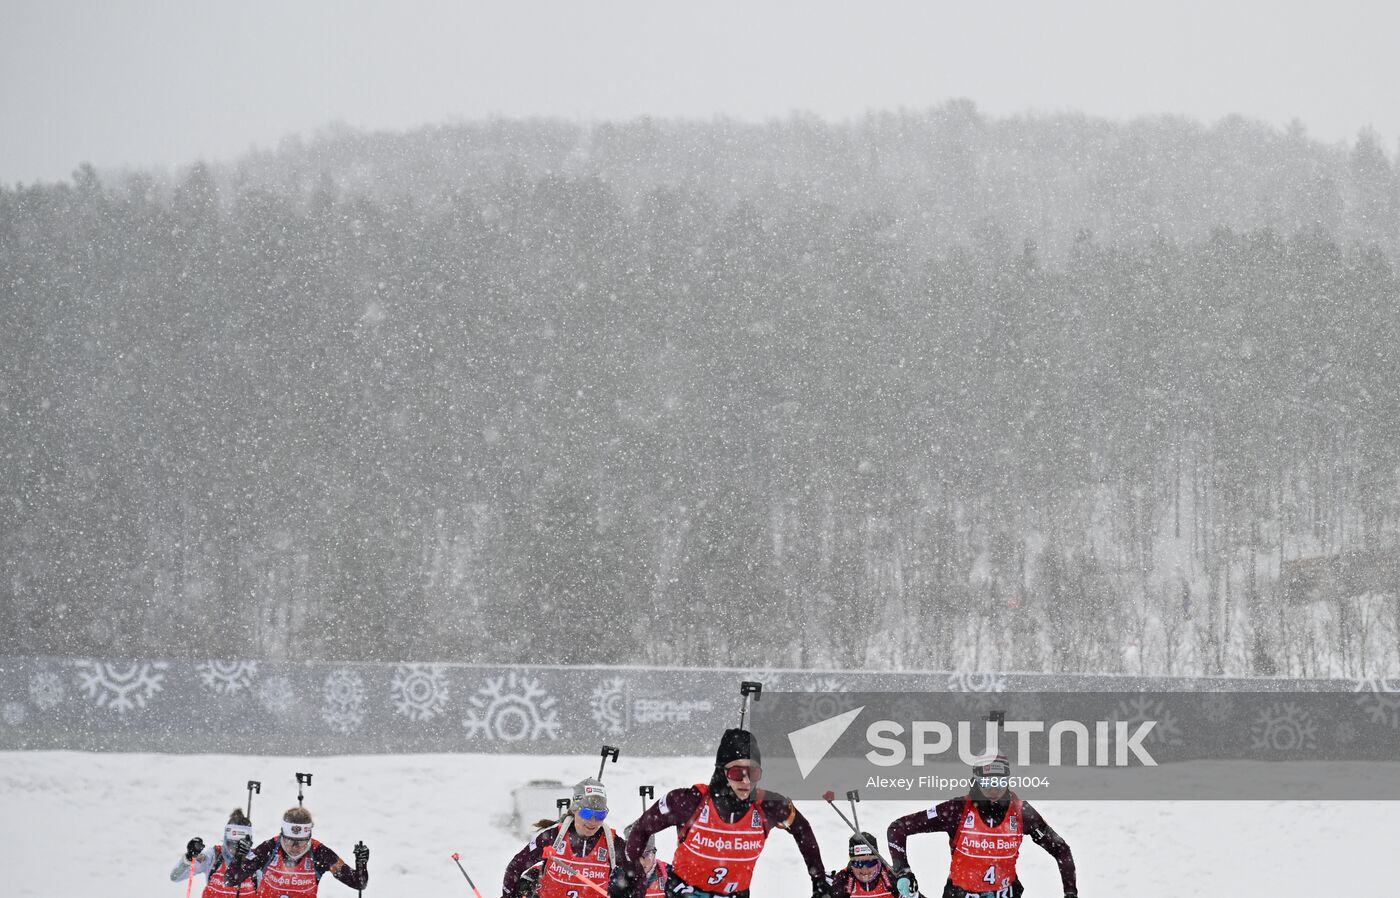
(865, 864)
(590, 814)
(736, 774)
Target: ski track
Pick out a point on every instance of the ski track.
(127, 817)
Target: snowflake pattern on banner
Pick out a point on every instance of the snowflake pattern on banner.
(971, 681)
(512, 708)
(1379, 697)
(343, 708)
(13, 713)
(46, 690)
(815, 706)
(1283, 726)
(1143, 708)
(227, 677)
(277, 695)
(419, 691)
(1219, 707)
(608, 705)
(121, 687)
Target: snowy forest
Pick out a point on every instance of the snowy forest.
(923, 390)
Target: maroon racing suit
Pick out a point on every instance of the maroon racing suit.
(278, 870)
(679, 806)
(946, 817)
(533, 853)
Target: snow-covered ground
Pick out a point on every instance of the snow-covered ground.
(77, 825)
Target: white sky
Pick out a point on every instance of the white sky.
(165, 82)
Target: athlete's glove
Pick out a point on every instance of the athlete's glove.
(904, 882)
(1071, 895)
(527, 884)
(195, 846)
(620, 883)
(361, 857)
(241, 849)
(821, 887)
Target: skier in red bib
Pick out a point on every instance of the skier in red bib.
(292, 864)
(721, 830)
(655, 872)
(985, 829)
(578, 853)
(865, 876)
(213, 861)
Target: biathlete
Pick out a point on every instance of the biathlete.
(577, 854)
(985, 828)
(212, 862)
(865, 875)
(722, 827)
(291, 864)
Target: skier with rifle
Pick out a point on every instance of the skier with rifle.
(722, 828)
(213, 860)
(577, 854)
(985, 828)
(866, 875)
(292, 864)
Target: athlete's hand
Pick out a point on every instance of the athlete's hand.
(361, 857)
(241, 848)
(1071, 895)
(620, 883)
(904, 882)
(194, 847)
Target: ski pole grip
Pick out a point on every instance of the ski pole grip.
(303, 779)
(749, 687)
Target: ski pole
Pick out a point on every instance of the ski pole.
(830, 798)
(189, 886)
(646, 792)
(458, 858)
(253, 786)
(747, 688)
(302, 778)
(853, 796)
(360, 890)
(608, 751)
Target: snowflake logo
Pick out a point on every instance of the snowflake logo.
(608, 705)
(1380, 699)
(277, 695)
(13, 714)
(1219, 707)
(344, 692)
(511, 708)
(1283, 726)
(814, 707)
(420, 691)
(227, 677)
(46, 690)
(970, 681)
(1141, 709)
(121, 687)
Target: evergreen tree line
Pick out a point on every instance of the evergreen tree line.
(547, 417)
